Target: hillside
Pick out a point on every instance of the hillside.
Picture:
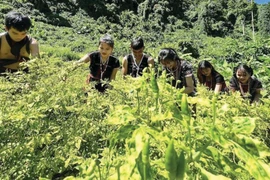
(49, 128)
(72, 29)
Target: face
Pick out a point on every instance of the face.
(242, 76)
(137, 53)
(105, 50)
(170, 64)
(16, 35)
(206, 71)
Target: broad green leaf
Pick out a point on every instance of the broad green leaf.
(256, 168)
(139, 142)
(219, 138)
(252, 145)
(140, 137)
(209, 176)
(221, 160)
(243, 125)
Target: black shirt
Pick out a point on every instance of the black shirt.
(135, 69)
(102, 71)
(253, 85)
(185, 69)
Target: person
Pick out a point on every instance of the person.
(134, 63)
(209, 77)
(243, 81)
(103, 66)
(16, 45)
(178, 68)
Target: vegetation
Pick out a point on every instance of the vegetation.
(49, 129)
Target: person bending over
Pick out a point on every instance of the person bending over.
(102, 65)
(243, 81)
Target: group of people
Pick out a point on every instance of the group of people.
(242, 80)
(16, 46)
(104, 66)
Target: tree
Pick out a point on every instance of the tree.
(212, 19)
(264, 19)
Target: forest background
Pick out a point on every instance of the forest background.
(50, 130)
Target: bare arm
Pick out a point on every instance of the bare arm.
(189, 85)
(84, 59)
(124, 66)
(151, 62)
(34, 49)
(218, 88)
(113, 74)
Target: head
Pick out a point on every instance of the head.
(168, 58)
(17, 25)
(205, 68)
(137, 47)
(106, 45)
(243, 73)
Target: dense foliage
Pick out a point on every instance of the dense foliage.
(49, 129)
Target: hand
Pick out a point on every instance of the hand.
(76, 63)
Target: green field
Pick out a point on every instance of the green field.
(49, 129)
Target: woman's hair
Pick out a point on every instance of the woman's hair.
(167, 54)
(245, 67)
(204, 64)
(107, 39)
(18, 21)
(137, 43)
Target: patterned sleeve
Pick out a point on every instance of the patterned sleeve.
(186, 69)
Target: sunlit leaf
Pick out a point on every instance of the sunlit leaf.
(243, 125)
(252, 164)
(219, 138)
(209, 176)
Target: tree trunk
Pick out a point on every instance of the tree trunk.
(252, 22)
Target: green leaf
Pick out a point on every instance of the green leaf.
(181, 166)
(78, 143)
(161, 117)
(257, 168)
(139, 142)
(124, 132)
(221, 160)
(121, 115)
(219, 138)
(209, 176)
(171, 160)
(243, 125)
